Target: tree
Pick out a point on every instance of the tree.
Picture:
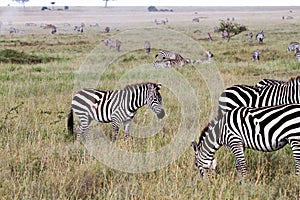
(53, 2)
(21, 2)
(106, 2)
(231, 29)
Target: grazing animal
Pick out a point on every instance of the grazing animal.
(256, 55)
(115, 44)
(162, 21)
(210, 55)
(116, 106)
(79, 28)
(297, 54)
(250, 35)
(107, 29)
(260, 36)
(264, 129)
(253, 96)
(293, 46)
(147, 46)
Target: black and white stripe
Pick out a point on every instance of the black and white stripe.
(266, 82)
(164, 54)
(255, 55)
(293, 46)
(116, 106)
(147, 46)
(297, 54)
(166, 63)
(264, 129)
(260, 36)
(253, 96)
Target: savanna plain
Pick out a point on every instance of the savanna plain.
(40, 72)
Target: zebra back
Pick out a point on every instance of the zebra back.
(164, 54)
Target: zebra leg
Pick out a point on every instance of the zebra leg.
(239, 152)
(83, 126)
(295, 145)
(115, 125)
(126, 128)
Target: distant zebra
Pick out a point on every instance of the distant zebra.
(163, 21)
(297, 54)
(147, 46)
(171, 62)
(250, 35)
(255, 55)
(260, 36)
(79, 28)
(115, 44)
(292, 46)
(164, 54)
(116, 106)
(253, 96)
(106, 41)
(210, 55)
(264, 129)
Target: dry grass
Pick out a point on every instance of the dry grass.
(39, 160)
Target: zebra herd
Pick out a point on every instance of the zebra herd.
(264, 117)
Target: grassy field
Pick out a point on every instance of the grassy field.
(40, 72)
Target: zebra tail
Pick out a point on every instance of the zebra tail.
(70, 122)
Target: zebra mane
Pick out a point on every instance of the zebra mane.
(137, 84)
(207, 128)
(294, 80)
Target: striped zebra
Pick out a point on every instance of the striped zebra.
(264, 129)
(116, 106)
(252, 96)
(79, 28)
(115, 44)
(171, 62)
(147, 46)
(293, 46)
(207, 60)
(164, 54)
(260, 36)
(297, 54)
(255, 55)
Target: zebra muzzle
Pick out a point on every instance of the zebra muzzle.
(161, 114)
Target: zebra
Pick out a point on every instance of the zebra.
(264, 129)
(79, 28)
(297, 54)
(164, 54)
(252, 96)
(116, 44)
(147, 46)
(171, 62)
(209, 54)
(106, 41)
(256, 55)
(260, 36)
(292, 46)
(116, 106)
(163, 21)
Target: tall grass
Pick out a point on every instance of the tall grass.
(39, 160)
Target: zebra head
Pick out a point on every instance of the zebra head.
(205, 167)
(154, 99)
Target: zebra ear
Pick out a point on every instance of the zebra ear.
(194, 145)
(158, 86)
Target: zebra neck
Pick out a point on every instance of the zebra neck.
(135, 97)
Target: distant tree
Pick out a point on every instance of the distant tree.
(105, 6)
(231, 29)
(152, 9)
(21, 2)
(53, 2)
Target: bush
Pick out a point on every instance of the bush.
(152, 9)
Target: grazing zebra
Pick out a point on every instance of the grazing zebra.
(147, 46)
(264, 129)
(164, 54)
(250, 35)
(252, 96)
(260, 36)
(116, 44)
(297, 54)
(79, 28)
(106, 30)
(116, 106)
(106, 41)
(171, 62)
(255, 55)
(292, 46)
(163, 21)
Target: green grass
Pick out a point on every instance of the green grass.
(39, 160)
